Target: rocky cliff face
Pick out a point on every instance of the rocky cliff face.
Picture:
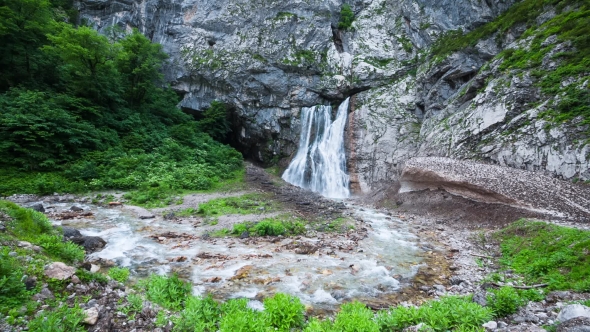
(266, 59)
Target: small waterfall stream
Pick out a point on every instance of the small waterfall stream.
(320, 163)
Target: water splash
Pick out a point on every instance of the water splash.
(320, 163)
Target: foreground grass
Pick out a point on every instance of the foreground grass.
(245, 204)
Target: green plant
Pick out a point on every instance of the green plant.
(134, 306)
(355, 317)
(120, 274)
(237, 317)
(170, 292)
(346, 17)
(504, 301)
(62, 319)
(199, 314)
(283, 312)
(245, 204)
(87, 276)
(450, 312)
(545, 253)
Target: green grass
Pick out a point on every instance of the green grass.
(281, 225)
(245, 204)
(506, 300)
(545, 253)
(32, 226)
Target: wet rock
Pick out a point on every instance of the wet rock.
(59, 271)
(94, 268)
(91, 316)
(115, 203)
(90, 243)
(146, 215)
(491, 325)
(76, 208)
(70, 232)
(242, 272)
(245, 235)
(455, 280)
(572, 311)
(38, 207)
(169, 216)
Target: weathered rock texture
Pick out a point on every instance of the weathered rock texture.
(497, 185)
(266, 59)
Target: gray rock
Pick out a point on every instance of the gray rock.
(59, 271)
(38, 207)
(480, 298)
(91, 316)
(491, 325)
(572, 311)
(90, 243)
(70, 232)
(76, 208)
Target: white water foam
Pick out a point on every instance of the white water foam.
(320, 163)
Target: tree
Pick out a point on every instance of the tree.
(215, 122)
(140, 62)
(87, 63)
(23, 25)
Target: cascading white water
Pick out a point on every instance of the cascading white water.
(320, 163)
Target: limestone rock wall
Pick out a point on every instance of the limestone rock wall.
(266, 59)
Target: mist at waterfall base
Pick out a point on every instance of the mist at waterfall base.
(320, 162)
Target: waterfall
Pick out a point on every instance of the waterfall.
(320, 163)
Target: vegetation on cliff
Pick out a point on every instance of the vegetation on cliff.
(83, 111)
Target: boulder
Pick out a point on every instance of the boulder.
(59, 271)
(572, 311)
(70, 232)
(38, 207)
(578, 324)
(90, 243)
(76, 208)
(91, 316)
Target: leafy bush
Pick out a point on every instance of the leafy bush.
(355, 317)
(170, 292)
(450, 312)
(120, 274)
(199, 314)
(237, 317)
(12, 288)
(134, 306)
(62, 319)
(87, 276)
(505, 301)
(346, 17)
(283, 312)
(66, 251)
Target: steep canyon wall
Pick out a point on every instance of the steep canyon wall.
(266, 59)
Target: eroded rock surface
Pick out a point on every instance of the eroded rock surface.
(497, 185)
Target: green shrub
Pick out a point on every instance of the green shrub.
(134, 306)
(346, 17)
(448, 313)
(199, 314)
(283, 312)
(355, 317)
(55, 247)
(245, 204)
(237, 317)
(170, 292)
(12, 288)
(505, 301)
(62, 319)
(121, 274)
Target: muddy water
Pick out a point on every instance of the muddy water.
(337, 268)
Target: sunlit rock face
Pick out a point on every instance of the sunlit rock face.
(268, 59)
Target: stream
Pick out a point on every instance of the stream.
(336, 269)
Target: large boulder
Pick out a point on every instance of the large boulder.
(573, 311)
